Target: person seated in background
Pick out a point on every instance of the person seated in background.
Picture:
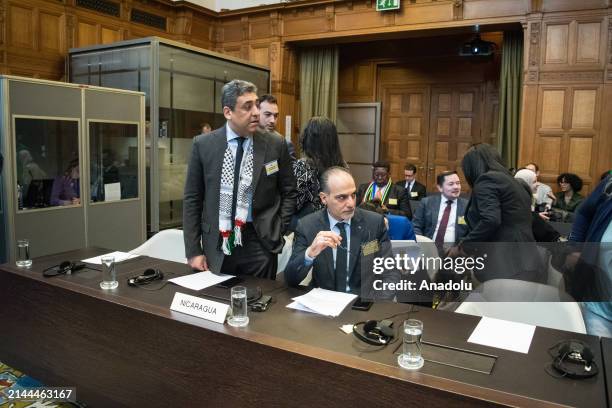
(443, 218)
(331, 240)
(383, 194)
(415, 190)
(66, 188)
(569, 198)
(205, 128)
(320, 150)
(542, 230)
(544, 196)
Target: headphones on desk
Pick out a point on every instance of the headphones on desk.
(573, 359)
(64, 268)
(375, 332)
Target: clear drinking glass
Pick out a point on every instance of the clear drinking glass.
(109, 273)
(23, 253)
(239, 316)
(411, 357)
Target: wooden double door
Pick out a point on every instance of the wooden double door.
(432, 126)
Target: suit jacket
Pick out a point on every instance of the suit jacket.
(366, 226)
(273, 201)
(499, 221)
(417, 188)
(397, 196)
(425, 217)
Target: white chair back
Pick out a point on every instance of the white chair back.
(167, 245)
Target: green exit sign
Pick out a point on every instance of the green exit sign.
(384, 5)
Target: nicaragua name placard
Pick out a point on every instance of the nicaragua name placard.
(198, 307)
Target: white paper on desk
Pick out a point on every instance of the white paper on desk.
(119, 257)
(200, 280)
(503, 334)
(298, 306)
(112, 192)
(325, 302)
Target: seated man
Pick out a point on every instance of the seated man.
(442, 218)
(383, 194)
(323, 237)
(415, 190)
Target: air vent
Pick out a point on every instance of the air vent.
(142, 17)
(101, 6)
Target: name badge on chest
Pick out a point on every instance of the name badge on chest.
(271, 167)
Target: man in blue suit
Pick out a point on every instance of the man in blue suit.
(441, 218)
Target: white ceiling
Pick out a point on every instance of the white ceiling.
(217, 5)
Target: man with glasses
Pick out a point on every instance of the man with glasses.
(334, 240)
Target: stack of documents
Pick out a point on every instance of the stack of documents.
(200, 280)
(322, 301)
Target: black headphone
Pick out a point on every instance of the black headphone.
(573, 359)
(66, 267)
(375, 332)
(146, 277)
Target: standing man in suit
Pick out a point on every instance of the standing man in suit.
(442, 218)
(239, 193)
(415, 190)
(268, 116)
(383, 194)
(323, 237)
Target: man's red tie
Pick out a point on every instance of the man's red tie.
(443, 223)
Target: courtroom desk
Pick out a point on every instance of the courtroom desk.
(126, 348)
(606, 350)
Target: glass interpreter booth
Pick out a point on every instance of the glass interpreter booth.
(74, 171)
(183, 90)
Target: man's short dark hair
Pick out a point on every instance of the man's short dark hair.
(535, 166)
(411, 167)
(327, 174)
(234, 89)
(383, 164)
(440, 177)
(271, 99)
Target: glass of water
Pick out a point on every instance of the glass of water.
(411, 357)
(23, 253)
(109, 273)
(239, 316)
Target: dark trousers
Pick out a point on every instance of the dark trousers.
(251, 258)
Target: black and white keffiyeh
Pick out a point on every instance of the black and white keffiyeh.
(244, 194)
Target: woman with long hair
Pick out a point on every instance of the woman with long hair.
(499, 218)
(320, 150)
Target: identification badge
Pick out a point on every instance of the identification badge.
(393, 201)
(271, 167)
(414, 194)
(461, 220)
(369, 248)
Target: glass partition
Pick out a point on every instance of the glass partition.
(114, 161)
(47, 162)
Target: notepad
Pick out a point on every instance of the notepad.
(200, 280)
(503, 334)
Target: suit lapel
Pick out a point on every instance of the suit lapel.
(219, 146)
(259, 154)
(434, 215)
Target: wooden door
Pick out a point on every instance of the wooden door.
(455, 124)
(405, 128)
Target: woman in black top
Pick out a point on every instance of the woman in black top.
(499, 219)
(320, 150)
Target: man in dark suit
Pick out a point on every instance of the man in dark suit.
(239, 193)
(415, 190)
(268, 116)
(442, 218)
(383, 194)
(323, 237)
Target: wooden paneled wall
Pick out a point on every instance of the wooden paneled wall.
(566, 109)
